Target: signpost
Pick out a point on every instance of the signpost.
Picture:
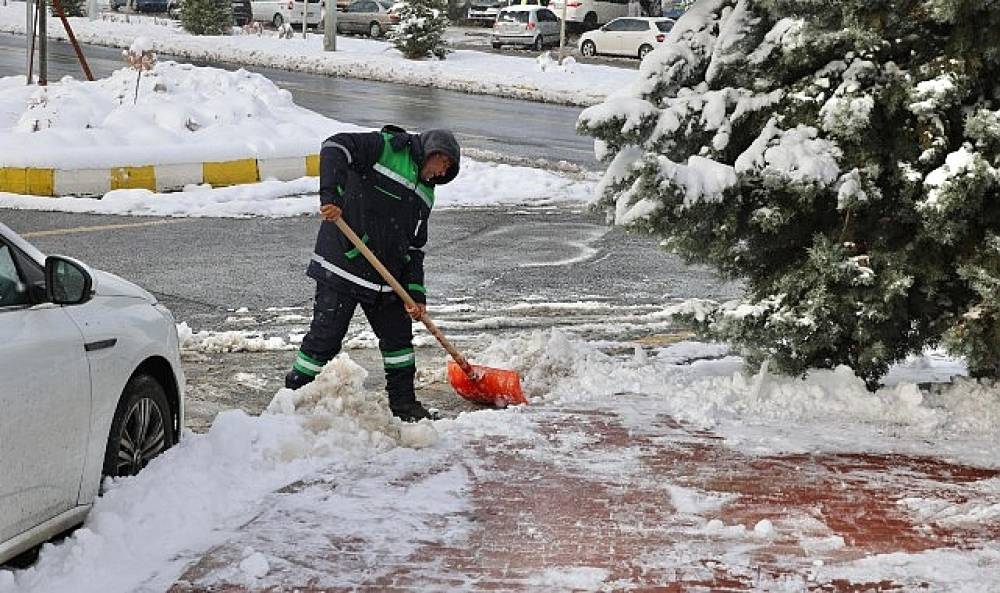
(562, 33)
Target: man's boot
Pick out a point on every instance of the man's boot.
(412, 411)
(295, 379)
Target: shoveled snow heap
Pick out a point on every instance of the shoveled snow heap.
(189, 114)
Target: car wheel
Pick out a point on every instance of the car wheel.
(496, 45)
(277, 21)
(644, 49)
(537, 44)
(588, 49)
(375, 30)
(141, 429)
(590, 21)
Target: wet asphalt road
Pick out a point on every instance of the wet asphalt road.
(511, 127)
(203, 268)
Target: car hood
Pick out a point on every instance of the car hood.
(107, 284)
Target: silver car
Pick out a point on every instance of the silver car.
(90, 386)
(372, 17)
(532, 26)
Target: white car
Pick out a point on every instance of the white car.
(590, 13)
(628, 36)
(532, 26)
(90, 386)
(279, 12)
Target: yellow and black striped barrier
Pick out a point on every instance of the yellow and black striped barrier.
(157, 178)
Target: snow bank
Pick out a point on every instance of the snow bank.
(464, 70)
(181, 114)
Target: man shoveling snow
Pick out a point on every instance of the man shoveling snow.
(382, 183)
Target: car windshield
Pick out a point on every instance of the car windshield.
(664, 26)
(513, 16)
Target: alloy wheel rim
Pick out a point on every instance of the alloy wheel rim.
(143, 437)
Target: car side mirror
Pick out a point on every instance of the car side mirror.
(604, 28)
(67, 281)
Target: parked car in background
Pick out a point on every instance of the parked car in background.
(485, 11)
(140, 5)
(532, 26)
(279, 12)
(590, 13)
(628, 36)
(90, 386)
(372, 17)
(242, 14)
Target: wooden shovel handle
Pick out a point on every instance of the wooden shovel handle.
(396, 286)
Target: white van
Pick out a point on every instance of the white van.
(279, 12)
(591, 13)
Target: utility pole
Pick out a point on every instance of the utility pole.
(305, 17)
(330, 26)
(30, 39)
(43, 46)
(562, 34)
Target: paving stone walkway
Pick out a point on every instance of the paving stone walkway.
(666, 508)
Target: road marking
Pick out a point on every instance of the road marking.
(97, 229)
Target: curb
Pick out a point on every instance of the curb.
(156, 178)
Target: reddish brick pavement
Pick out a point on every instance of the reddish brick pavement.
(575, 508)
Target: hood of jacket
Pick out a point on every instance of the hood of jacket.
(444, 142)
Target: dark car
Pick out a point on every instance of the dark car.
(141, 5)
(242, 13)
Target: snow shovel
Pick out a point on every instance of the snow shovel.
(476, 383)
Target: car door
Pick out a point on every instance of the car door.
(351, 16)
(611, 37)
(635, 34)
(45, 401)
(263, 10)
(549, 25)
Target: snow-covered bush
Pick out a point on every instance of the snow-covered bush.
(839, 157)
(420, 32)
(71, 7)
(207, 17)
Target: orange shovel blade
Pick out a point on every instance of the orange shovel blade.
(494, 387)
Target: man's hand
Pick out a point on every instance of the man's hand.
(416, 310)
(330, 212)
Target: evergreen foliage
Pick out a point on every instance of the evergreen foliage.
(207, 17)
(72, 7)
(841, 158)
(420, 32)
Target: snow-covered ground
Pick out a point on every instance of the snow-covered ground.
(463, 70)
(146, 530)
(189, 114)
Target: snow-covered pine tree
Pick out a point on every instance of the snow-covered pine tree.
(207, 17)
(420, 32)
(839, 157)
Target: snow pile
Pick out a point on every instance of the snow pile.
(717, 393)
(464, 70)
(548, 62)
(181, 114)
(229, 341)
(335, 404)
(191, 497)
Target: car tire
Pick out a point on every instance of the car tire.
(277, 21)
(590, 21)
(588, 49)
(142, 427)
(496, 45)
(375, 30)
(538, 44)
(644, 49)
